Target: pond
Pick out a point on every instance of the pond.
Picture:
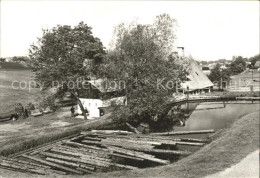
(216, 115)
(200, 116)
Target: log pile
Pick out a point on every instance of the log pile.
(104, 150)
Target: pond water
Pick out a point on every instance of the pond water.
(200, 116)
(216, 115)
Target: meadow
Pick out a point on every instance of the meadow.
(11, 92)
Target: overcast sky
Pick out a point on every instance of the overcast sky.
(208, 30)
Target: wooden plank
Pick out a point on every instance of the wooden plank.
(53, 165)
(184, 132)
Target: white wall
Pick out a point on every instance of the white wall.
(92, 106)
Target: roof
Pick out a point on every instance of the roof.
(101, 85)
(257, 64)
(247, 74)
(197, 79)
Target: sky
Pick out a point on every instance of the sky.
(209, 30)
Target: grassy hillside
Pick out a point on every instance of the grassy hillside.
(9, 95)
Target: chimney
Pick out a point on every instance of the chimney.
(180, 51)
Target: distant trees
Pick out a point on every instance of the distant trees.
(254, 59)
(60, 54)
(2, 60)
(237, 66)
(218, 75)
(20, 59)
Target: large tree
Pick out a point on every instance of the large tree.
(139, 59)
(59, 58)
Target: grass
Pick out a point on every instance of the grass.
(10, 95)
(23, 141)
(229, 148)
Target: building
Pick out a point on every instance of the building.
(249, 80)
(197, 82)
(257, 65)
(98, 95)
(205, 70)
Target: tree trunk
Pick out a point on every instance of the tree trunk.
(80, 105)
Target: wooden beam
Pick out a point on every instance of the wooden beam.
(184, 132)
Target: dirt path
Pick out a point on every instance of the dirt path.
(247, 168)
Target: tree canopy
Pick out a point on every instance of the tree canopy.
(60, 56)
(142, 59)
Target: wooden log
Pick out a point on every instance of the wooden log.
(26, 169)
(53, 165)
(62, 162)
(68, 158)
(84, 170)
(44, 148)
(147, 137)
(121, 132)
(126, 156)
(83, 167)
(124, 166)
(68, 152)
(139, 155)
(83, 151)
(130, 152)
(27, 163)
(214, 134)
(91, 138)
(175, 152)
(189, 143)
(108, 143)
(194, 140)
(132, 128)
(184, 132)
(84, 146)
(91, 142)
(143, 141)
(92, 162)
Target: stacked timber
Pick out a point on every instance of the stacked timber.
(104, 150)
